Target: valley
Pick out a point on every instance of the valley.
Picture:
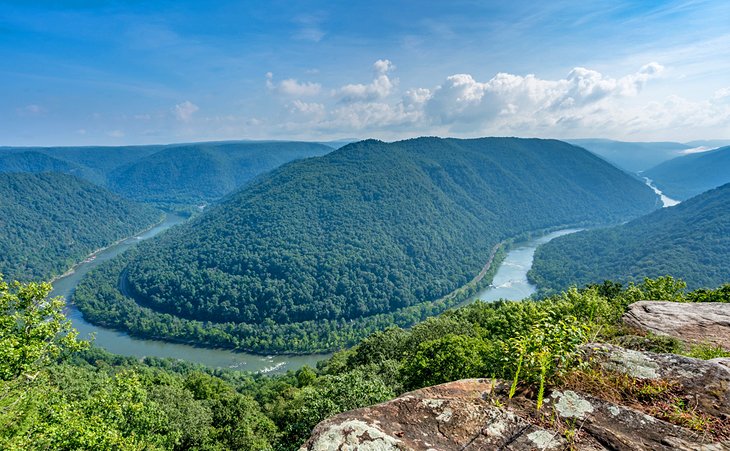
(509, 282)
(324, 251)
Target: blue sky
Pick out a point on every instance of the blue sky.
(135, 72)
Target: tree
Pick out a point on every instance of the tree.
(33, 330)
(446, 359)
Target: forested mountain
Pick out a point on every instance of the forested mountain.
(205, 171)
(172, 174)
(689, 175)
(36, 162)
(93, 162)
(632, 156)
(51, 221)
(370, 229)
(690, 241)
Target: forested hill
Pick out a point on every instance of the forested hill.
(690, 241)
(632, 156)
(51, 221)
(36, 162)
(170, 174)
(204, 171)
(689, 175)
(368, 229)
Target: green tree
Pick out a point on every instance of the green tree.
(446, 359)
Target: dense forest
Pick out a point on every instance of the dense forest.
(83, 398)
(351, 238)
(51, 221)
(690, 241)
(204, 172)
(690, 175)
(633, 156)
(36, 162)
(164, 175)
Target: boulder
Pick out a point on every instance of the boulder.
(698, 323)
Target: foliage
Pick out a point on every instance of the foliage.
(95, 400)
(33, 329)
(690, 241)
(368, 236)
(50, 221)
(445, 359)
(168, 176)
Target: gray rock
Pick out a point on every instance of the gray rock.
(454, 416)
(698, 323)
(463, 415)
(707, 382)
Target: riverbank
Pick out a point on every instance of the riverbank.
(94, 254)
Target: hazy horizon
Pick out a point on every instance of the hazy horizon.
(114, 73)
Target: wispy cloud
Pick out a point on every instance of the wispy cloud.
(309, 27)
(184, 111)
(31, 110)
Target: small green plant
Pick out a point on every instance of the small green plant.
(706, 351)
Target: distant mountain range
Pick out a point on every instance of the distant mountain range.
(173, 174)
(633, 156)
(692, 174)
(299, 257)
(690, 241)
(51, 221)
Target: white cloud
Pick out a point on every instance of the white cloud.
(292, 87)
(583, 103)
(311, 108)
(184, 111)
(116, 134)
(31, 110)
(380, 87)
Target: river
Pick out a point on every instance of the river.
(666, 200)
(121, 343)
(510, 282)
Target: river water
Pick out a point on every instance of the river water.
(121, 343)
(666, 200)
(510, 282)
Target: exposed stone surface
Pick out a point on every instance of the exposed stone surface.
(463, 416)
(619, 427)
(453, 416)
(706, 381)
(700, 322)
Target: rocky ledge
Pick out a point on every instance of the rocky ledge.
(475, 414)
(621, 400)
(698, 323)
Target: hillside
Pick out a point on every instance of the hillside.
(689, 175)
(36, 162)
(171, 174)
(51, 221)
(632, 156)
(690, 241)
(365, 231)
(205, 171)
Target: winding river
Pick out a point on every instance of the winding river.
(510, 282)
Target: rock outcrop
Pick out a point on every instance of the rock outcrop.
(706, 382)
(698, 323)
(475, 414)
(457, 415)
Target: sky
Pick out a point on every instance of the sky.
(140, 72)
